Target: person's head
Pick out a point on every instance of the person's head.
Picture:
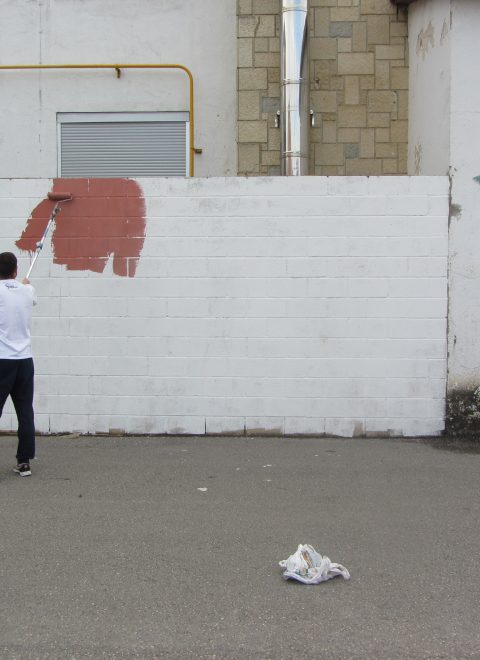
(8, 266)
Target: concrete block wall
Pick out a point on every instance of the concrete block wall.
(359, 87)
(260, 305)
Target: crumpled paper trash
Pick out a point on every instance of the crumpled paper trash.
(308, 566)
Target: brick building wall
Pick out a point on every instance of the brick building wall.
(359, 87)
(278, 305)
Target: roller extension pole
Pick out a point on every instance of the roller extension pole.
(58, 198)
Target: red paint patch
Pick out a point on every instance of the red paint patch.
(106, 218)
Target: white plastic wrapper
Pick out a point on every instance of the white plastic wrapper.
(309, 567)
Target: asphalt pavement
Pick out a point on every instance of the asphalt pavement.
(168, 547)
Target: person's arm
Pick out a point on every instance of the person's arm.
(27, 283)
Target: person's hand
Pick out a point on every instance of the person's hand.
(25, 281)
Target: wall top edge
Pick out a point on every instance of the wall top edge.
(304, 186)
(263, 179)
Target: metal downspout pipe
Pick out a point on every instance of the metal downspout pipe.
(294, 88)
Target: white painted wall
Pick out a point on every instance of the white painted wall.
(464, 340)
(199, 35)
(429, 87)
(286, 305)
(445, 121)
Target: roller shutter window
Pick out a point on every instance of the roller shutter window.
(123, 144)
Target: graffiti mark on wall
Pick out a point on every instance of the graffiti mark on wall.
(418, 158)
(106, 219)
(425, 40)
(444, 34)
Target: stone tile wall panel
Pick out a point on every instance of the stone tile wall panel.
(359, 59)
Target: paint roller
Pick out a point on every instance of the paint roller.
(58, 197)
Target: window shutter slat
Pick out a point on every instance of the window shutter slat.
(123, 148)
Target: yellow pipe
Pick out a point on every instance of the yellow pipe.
(118, 68)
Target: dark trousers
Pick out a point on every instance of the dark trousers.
(16, 380)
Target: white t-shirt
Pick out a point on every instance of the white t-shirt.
(16, 302)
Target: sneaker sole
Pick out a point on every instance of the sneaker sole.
(23, 474)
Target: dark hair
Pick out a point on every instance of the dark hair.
(8, 265)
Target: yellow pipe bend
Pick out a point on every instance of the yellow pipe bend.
(118, 68)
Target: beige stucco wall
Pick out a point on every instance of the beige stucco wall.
(359, 87)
